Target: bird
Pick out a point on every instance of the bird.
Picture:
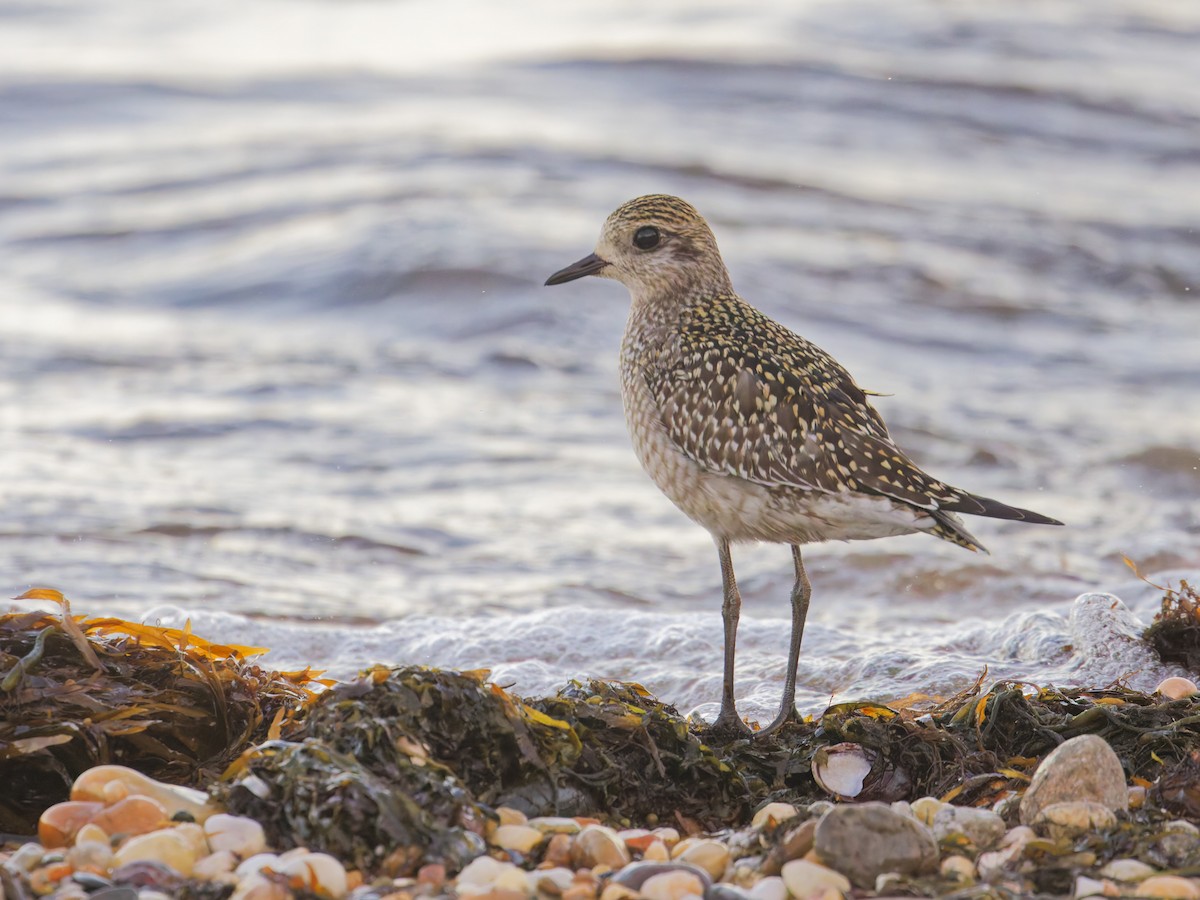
(754, 432)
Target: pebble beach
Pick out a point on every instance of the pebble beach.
(123, 835)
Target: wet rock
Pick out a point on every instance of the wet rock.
(772, 887)
(636, 874)
(1091, 887)
(59, 824)
(795, 844)
(773, 813)
(805, 879)
(319, 873)
(1168, 887)
(147, 873)
(1082, 768)
(1128, 870)
(164, 847)
(864, 841)
(598, 845)
(1071, 819)
(981, 827)
(959, 868)
(237, 834)
(992, 865)
(1176, 688)
(521, 838)
(555, 825)
(673, 885)
(135, 814)
(109, 784)
(711, 856)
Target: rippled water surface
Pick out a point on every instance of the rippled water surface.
(273, 340)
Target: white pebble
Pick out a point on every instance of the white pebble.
(213, 866)
(257, 863)
(482, 871)
(321, 874)
(712, 856)
(239, 834)
(958, 867)
(769, 888)
(925, 808)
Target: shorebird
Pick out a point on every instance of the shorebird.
(754, 432)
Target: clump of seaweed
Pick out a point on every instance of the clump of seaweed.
(77, 692)
(1175, 632)
(307, 794)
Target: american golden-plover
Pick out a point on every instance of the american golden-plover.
(754, 432)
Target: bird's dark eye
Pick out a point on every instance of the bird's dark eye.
(646, 238)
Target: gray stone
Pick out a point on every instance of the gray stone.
(869, 839)
(1083, 768)
(981, 827)
(636, 874)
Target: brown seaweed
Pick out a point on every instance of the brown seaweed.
(77, 692)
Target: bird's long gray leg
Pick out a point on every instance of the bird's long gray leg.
(728, 723)
(801, 593)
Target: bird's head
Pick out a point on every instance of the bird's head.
(656, 246)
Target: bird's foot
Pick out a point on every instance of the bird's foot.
(788, 715)
(729, 726)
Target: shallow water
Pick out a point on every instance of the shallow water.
(273, 341)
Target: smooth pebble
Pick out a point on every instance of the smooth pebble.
(672, 886)
(805, 879)
(773, 812)
(164, 846)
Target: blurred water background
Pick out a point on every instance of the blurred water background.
(275, 354)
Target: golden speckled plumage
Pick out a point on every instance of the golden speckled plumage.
(753, 431)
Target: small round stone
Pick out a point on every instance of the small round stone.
(804, 878)
(925, 808)
(1168, 887)
(237, 834)
(1176, 688)
(521, 838)
(1128, 870)
(1071, 819)
(959, 868)
(165, 847)
(770, 888)
(135, 814)
(320, 873)
(981, 827)
(674, 885)
(773, 812)
(866, 840)
(712, 856)
(598, 845)
(1084, 768)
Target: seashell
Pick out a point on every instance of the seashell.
(238, 834)
(59, 824)
(94, 785)
(840, 769)
(319, 873)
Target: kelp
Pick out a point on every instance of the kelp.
(404, 766)
(1175, 632)
(77, 692)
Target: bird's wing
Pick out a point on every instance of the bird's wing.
(752, 399)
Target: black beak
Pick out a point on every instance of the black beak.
(589, 265)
